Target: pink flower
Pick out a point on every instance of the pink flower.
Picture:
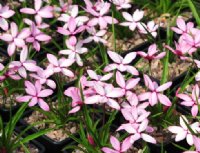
(1, 67)
(77, 102)
(126, 86)
(151, 28)
(43, 77)
(121, 63)
(182, 49)
(36, 37)
(95, 36)
(5, 13)
(196, 144)
(15, 39)
(75, 94)
(150, 55)
(98, 11)
(60, 65)
(192, 100)
(35, 95)
(80, 20)
(132, 20)
(24, 64)
(121, 4)
(105, 94)
(133, 103)
(118, 147)
(183, 132)
(38, 25)
(137, 132)
(98, 78)
(193, 39)
(182, 26)
(10, 73)
(44, 12)
(154, 94)
(134, 114)
(74, 50)
(64, 7)
(72, 28)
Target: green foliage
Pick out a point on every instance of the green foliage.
(7, 137)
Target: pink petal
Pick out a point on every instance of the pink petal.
(115, 143)
(132, 70)
(164, 100)
(115, 57)
(43, 37)
(153, 99)
(6, 37)
(7, 14)
(46, 12)
(110, 67)
(180, 136)
(19, 42)
(129, 58)
(30, 88)
(126, 144)
(181, 24)
(37, 4)
(194, 110)
(33, 102)
(108, 150)
(3, 24)
(112, 103)
(22, 72)
(164, 87)
(120, 80)
(148, 138)
(144, 96)
(45, 93)
(74, 110)
(92, 74)
(67, 72)
(132, 83)
(27, 11)
(43, 105)
(51, 84)
(93, 99)
(127, 16)
(23, 98)
(14, 29)
(148, 82)
(52, 59)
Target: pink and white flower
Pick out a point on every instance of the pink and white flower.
(60, 65)
(23, 65)
(117, 146)
(99, 11)
(122, 64)
(74, 50)
(132, 21)
(36, 37)
(5, 13)
(121, 4)
(183, 132)
(154, 94)
(182, 27)
(35, 95)
(39, 11)
(150, 55)
(15, 38)
(192, 101)
(151, 28)
(105, 94)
